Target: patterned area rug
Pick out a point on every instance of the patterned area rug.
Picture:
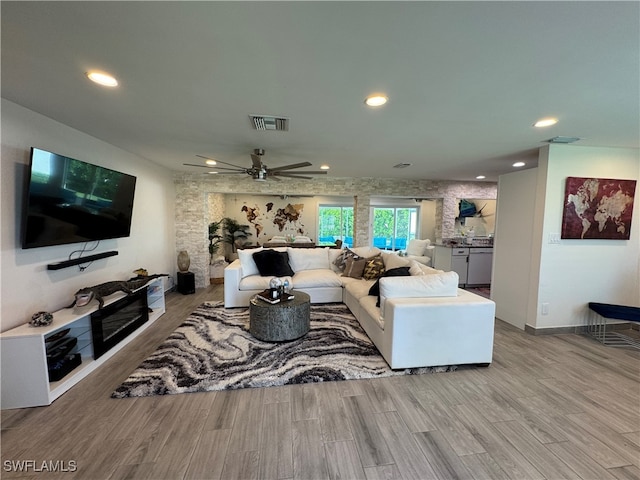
(213, 350)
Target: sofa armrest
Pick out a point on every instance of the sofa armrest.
(232, 277)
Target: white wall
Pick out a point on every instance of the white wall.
(512, 255)
(570, 274)
(26, 286)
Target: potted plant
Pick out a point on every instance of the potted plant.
(214, 239)
(235, 234)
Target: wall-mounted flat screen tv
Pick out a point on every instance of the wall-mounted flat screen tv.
(70, 201)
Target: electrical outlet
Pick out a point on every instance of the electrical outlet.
(554, 238)
(545, 309)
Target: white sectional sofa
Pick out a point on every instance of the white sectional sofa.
(423, 320)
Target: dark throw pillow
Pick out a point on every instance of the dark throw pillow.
(374, 268)
(394, 272)
(273, 263)
(354, 267)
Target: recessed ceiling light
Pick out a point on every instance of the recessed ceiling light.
(481, 177)
(211, 162)
(102, 78)
(545, 122)
(211, 173)
(376, 100)
(519, 164)
(324, 167)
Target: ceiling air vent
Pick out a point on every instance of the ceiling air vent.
(402, 165)
(563, 139)
(269, 122)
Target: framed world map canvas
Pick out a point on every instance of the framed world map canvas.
(598, 208)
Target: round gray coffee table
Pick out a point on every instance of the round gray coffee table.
(281, 321)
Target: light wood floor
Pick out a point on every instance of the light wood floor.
(549, 407)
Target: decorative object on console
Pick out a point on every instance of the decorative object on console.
(183, 261)
(141, 272)
(598, 208)
(85, 295)
(41, 319)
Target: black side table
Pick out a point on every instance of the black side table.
(186, 283)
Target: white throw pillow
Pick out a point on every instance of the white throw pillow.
(308, 258)
(366, 252)
(393, 260)
(247, 262)
(443, 284)
(417, 247)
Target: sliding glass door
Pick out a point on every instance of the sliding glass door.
(335, 223)
(393, 227)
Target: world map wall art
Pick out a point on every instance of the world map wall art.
(598, 208)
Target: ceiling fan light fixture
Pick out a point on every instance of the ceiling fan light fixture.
(324, 167)
(211, 162)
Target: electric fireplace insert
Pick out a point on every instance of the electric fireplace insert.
(113, 323)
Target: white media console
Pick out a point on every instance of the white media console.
(23, 359)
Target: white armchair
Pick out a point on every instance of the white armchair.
(420, 251)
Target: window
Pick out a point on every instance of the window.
(393, 227)
(335, 223)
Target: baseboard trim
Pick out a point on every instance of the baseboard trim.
(579, 329)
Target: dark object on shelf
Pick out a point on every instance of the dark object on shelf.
(57, 336)
(41, 319)
(85, 295)
(57, 351)
(273, 296)
(186, 283)
(61, 368)
(78, 261)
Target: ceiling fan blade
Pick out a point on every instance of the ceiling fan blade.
(290, 175)
(220, 161)
(300, 172)
(293, 165)
(216, 167)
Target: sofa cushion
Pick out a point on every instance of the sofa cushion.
(273, 263)
(357, 288)
(394, 272)
(421, 286)
(308, 258)
(254, 282)
(354, 267)
(247, 262)
(374, 268)
(393, 260)
(316, 278)
(368, 304)
(417, 247)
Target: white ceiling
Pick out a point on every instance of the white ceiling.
(465, 80)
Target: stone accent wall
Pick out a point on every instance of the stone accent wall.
(199, 199)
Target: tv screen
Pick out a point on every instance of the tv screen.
(70, 201)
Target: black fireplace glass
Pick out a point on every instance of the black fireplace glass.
(113, 323)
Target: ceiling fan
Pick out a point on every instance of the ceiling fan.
(259, 171)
